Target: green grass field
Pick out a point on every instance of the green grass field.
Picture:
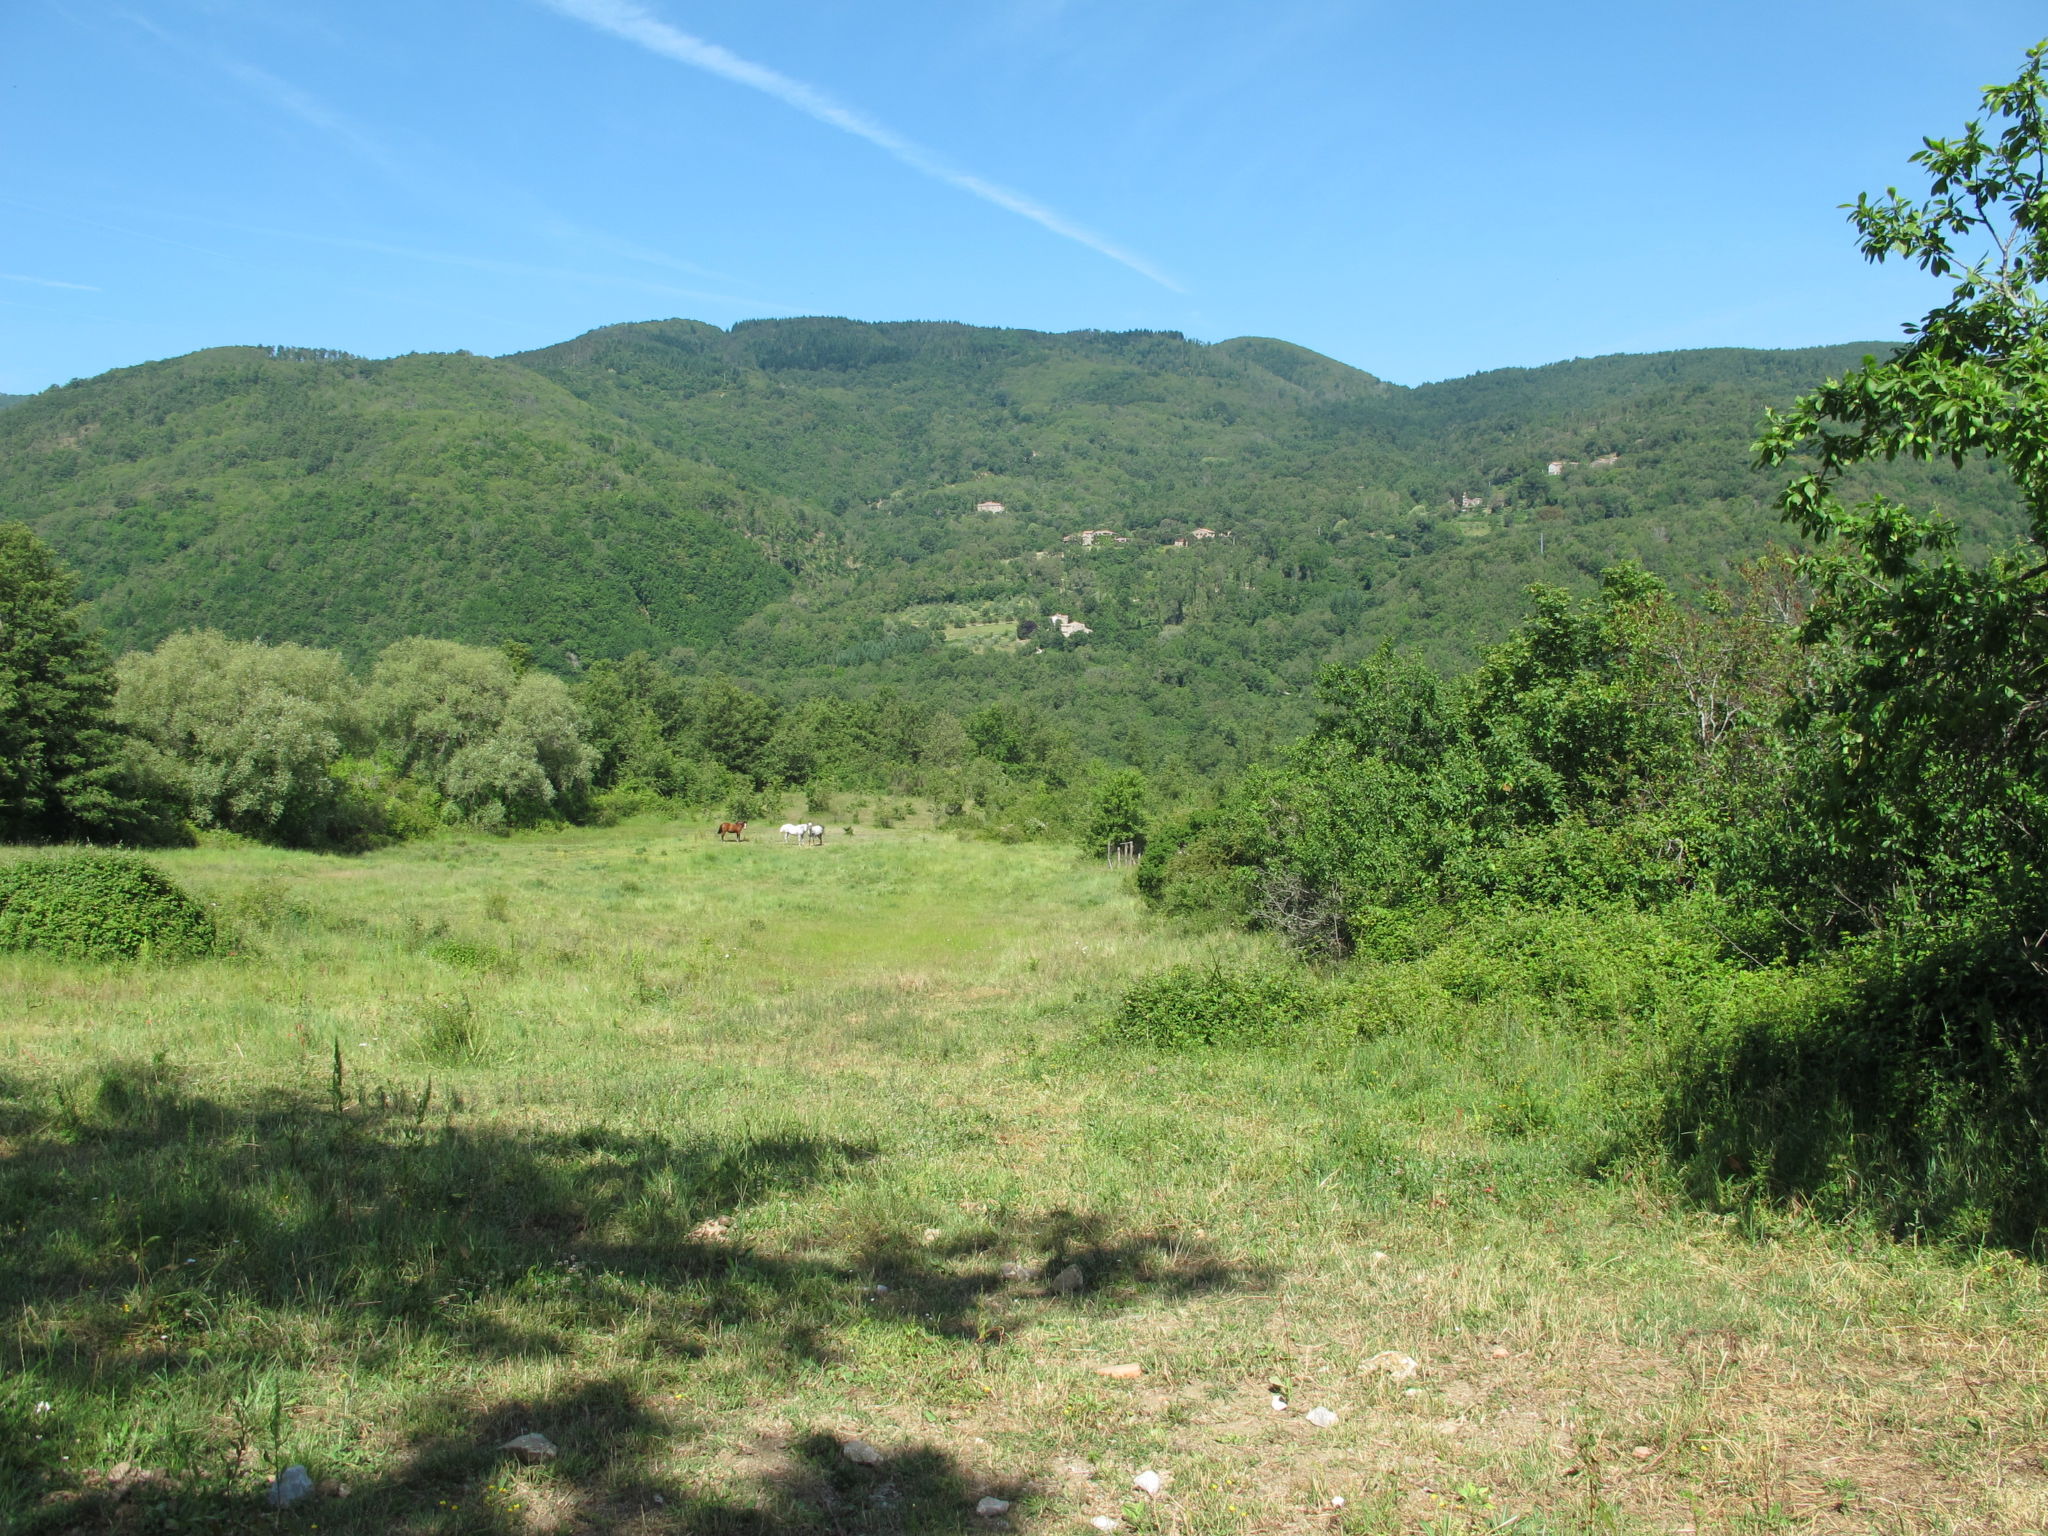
(702, 1159)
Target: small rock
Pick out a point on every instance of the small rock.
(1396, 1367)
(1069, 1281)
(1120, 1372)
(1279, 1403)
(1148, 1481)
(1322, 1418)
(860, 1452)
(1642, 1453)
(293, 1484)
(531, 1449)
(1499, 1351)
(1021, 1270)
(1104, 1523)
(1336, 1501)
(1413, 1392)
(991, 1507)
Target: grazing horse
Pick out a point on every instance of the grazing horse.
(794, 829)
(812, 832)
(738, 829)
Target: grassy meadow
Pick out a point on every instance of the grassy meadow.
(702, 1159)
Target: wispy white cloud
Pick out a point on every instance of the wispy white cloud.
(244, 256)
(314, 113)
(415, 172)
(45, 282)
(636, 24)
(509, 268)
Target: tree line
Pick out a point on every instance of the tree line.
(289, 744)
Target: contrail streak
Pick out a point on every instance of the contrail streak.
(636, 24)
(45, 282)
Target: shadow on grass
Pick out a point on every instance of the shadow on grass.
(1907, 1095)
(608, 1477)
(176, 1263)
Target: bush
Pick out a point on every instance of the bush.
(100, 906)
(1899, 1085)
(1194, 1005)
(624, 801)
(466, 955)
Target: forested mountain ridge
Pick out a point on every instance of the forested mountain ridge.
(800, 502)
(340, 501)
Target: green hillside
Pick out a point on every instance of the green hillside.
(329, 499)
(796, 502)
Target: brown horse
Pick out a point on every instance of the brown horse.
(738, 829)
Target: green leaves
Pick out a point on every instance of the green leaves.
(100, 906)
(1925, 747)
(65, 770)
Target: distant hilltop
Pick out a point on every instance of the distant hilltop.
(824, 502)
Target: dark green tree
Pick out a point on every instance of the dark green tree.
(63, 765)
(1927, 794)
(1914, 832)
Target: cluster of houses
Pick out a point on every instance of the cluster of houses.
(1067, 627)
(1087, 538)
(1559, 466)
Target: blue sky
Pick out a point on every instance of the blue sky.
(1422, 191)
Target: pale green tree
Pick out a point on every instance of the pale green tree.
(249, 733)
(501, 744)
(1117, 812)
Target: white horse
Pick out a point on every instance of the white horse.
(814, 833)
(795, 830)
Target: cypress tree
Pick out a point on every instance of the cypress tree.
(63, 772)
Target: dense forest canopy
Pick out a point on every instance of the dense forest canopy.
(810, 505)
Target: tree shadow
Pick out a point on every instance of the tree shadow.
(166, 1246)
(1906, 1097)
(608, 1476)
